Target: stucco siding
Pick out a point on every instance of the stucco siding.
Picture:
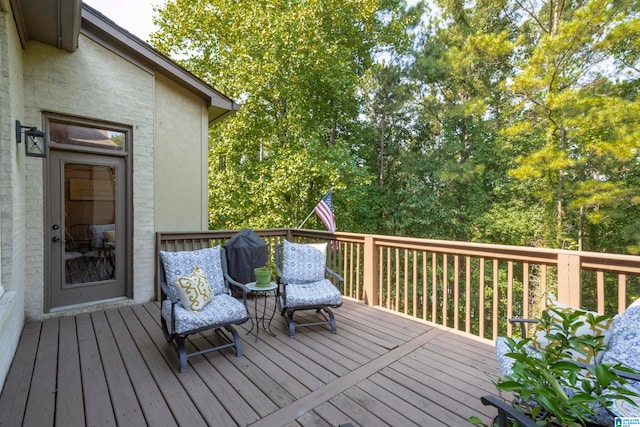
(93, 83)
(181, 192)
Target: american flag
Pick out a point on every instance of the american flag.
(324, 210)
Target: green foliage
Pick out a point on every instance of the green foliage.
(296, 67)
(540, 385)
(495, 121)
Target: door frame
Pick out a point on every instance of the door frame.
(127, 154)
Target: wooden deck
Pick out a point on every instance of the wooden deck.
(114, 368)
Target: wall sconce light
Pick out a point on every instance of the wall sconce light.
(35, 141)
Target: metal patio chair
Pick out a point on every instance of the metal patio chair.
(302, 283)
(222, 312)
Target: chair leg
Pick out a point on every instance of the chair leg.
(332, 320)
(182, 353)
(236, 340)
(292, 324)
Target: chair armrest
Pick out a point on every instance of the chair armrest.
(507, 412)
(238, 285)
(522, 323)
(334, 274)
(167, 292)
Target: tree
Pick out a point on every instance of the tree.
(576, 93)
(296, 67)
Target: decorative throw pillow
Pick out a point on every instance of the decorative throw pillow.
(624, 346)
(539, 340)
(179, 264)
(194, 290)
(110, 236)
(304, 262)
(97, 234)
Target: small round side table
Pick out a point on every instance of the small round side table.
(262, 290)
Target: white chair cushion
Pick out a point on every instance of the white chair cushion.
(624, 346)
(180, 264)
(312, 294)
(304, 262)
(223, 310)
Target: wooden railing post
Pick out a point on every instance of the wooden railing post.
(370, 278)
(569, 279)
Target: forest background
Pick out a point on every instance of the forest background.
(497, 121)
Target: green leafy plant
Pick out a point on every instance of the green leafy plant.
(552, 388)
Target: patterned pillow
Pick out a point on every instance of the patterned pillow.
(179, 264)
(624, 346)
(110, 236)
(540, 342)
(97, 234)
(304, 262)
(194, 290)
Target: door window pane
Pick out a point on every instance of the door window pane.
(90, 225)
(62, 133)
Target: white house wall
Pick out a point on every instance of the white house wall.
(93, 83)
(12, 193)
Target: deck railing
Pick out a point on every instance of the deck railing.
(471, 287)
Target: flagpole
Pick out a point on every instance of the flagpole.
(308, 216)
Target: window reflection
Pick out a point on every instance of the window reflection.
(62, 133)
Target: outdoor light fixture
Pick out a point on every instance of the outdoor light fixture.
(35, 142)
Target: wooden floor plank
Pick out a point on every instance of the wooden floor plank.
(276, 383)
(311, 419)
(69, 399)
(359, 413)
(15, 391)
(333, 416)
(98, 409)
(134, 341)
(441, 390)
(128, 406)
(256, 398)
(395, 384)
(194, 386)
(379, 407)
(395, 405)
(325, 367)
(40, 409)
(380, 369)
(265, 350)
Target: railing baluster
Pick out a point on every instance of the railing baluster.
(397, 285)
(425, 286)
(600, 291)
(405, 295)
(509, 295)
(481, 300)
(467, 300)
(525, 290)
(445, 288)
(622, 293)
(496, 299)
(456, 289)
(415, 284)
(434, 288)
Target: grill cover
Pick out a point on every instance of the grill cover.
(245, 251)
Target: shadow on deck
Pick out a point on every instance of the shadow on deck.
(114, 368)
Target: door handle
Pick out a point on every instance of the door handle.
(55, 239)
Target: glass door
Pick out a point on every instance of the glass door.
(87, 229)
